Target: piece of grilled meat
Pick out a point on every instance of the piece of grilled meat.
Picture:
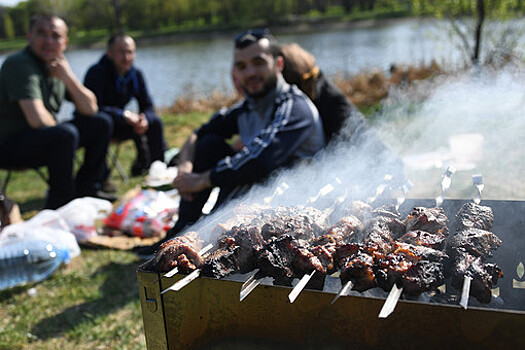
(469, 250)
(181, 252)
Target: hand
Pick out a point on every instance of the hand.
(138, 122)
(142, 126)
(60, 68)
(190, 183)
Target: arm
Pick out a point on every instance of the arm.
(84, 99)
(187, 182)
(36, 114)
(274, 147)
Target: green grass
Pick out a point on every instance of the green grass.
(93, 302)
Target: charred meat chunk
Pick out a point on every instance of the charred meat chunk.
(484, 275)
(416, 268)
(377, 232)
(418, 237)
(356, 263)
(432, 220)
(285, 258)
(181, 252)
(343, 231)
(473, 215)
(474, 241)
(221, 262)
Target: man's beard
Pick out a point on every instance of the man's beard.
(268, 86)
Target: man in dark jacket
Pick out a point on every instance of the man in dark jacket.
(277, 124)
(115, 81)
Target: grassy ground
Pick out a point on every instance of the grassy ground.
(93, 302)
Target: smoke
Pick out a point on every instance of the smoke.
(473, 122)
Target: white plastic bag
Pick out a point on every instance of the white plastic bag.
(32, 230)
(80, 215)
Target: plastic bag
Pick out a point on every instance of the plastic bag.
(146, 214)
(46, 227)
(81, 214)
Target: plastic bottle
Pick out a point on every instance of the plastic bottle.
(27, 261)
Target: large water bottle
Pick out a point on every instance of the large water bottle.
(26, 261)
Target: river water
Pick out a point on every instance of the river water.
(201, 66)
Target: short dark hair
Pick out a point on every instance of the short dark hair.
(115, 37)
(250, 36)
(46, 17)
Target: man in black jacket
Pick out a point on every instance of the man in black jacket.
(115, 81)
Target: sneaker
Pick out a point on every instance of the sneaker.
(109, 186)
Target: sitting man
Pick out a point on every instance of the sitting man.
(33, 84)
(277, 123)
(115, 81)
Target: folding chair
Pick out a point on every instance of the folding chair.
(11, 169)
(113, 156)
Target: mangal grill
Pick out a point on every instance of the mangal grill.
(207, 313)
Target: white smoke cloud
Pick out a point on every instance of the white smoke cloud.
(474, 122)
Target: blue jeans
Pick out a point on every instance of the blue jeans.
(55, 147)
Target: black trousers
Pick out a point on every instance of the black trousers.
(55, 147)
(209, 150)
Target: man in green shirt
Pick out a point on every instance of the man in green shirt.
(33, 84)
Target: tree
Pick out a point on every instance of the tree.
(469, 19)
(9, 29)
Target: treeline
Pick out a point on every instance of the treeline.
(87, 17)
(144, 15)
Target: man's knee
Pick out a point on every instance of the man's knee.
(209, 150)
(66, 136)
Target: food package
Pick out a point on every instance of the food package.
(147, 214)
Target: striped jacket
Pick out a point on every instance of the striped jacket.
(293, 131)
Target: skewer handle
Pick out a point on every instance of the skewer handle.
(477, 181)
(391, 302)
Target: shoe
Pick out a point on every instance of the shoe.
(139, 169)
(109, 186)
(112, 197)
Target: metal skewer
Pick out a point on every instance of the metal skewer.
(477, 181)
(278, 191)
(300, 286)
(445, 185)
(391, 302)
(407, 186)
(183, 282)
(380, 189)
(248, 286)
(344, 291)
(465, 292)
